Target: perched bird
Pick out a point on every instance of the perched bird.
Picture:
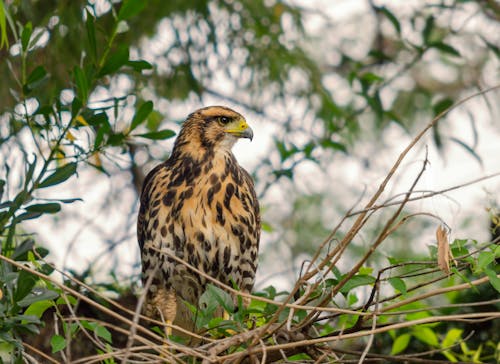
(200, 206)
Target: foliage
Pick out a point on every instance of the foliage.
(84, 89)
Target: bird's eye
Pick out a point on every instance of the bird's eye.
(224, 120)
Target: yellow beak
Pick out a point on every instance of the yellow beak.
(240, 129)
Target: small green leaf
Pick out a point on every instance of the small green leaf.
(90, 26)
(365, 270)
(115, 61)
(452, 337)
(4, 41)
(2, 185)
(45, 294)
(494, 280)
(156, 135)
(130, 8)
(357, 281)
(142, 113)
(327, 143)
(398, 284)
(400, 344)
(60, 175)
(446, 48)
(26, 36)
(50, 208)
(25, 283)
(442, 105)
(82, 84)
(483, 259)
(103, 332)
(38, 308)
(34, 79)
(392, 18)
(76, 106)
(21, 250)
(58, 343)
(140, 65)
(468, 149)
(426, 335)
(428, 28)
(99, 119)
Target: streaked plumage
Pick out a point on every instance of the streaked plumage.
(200, 206)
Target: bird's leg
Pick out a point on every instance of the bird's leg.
(166, 303)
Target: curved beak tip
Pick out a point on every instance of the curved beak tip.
(249, 133)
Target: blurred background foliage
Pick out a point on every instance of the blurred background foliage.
(98, 89)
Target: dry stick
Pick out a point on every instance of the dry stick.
(100, 307)
(358, 223)
(386, 231)
(137, 314)
(40, 353)
(427, 195)
(395, 326)
(401, 358)
(248, 295)
(436, 292)
(116, 304)
(121, 330)
(374, 326)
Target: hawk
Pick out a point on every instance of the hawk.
(199, 206)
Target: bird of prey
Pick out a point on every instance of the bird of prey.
(199, 206)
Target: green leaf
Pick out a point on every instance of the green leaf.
(130, 8)
(483, 259)
(452, 337)
(58, 343)
(34, 79)
(494, 280)
(468, 149)
(32, 298)
(4, 41)
(38, 308)
(400, 344)
(82, 83)
(26, 36)
(21, 250)
(25, 283)
(140, 65)
(220, 296)
(442, 105)
(494, 48)
(428, 28)
(142, 113)
(115, 61)
(392, 18)
(357, 281)
(2, 184)
(99, 119)
(446, 48)
(398, 284)
(60, 175)
(156, 135)
(28, 216)
(90, 26)
(426, 335)
(103, 332)
(327, 143)
(50, 208)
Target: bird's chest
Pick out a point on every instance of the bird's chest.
(206, 225)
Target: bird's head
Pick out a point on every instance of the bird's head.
(213, 127)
